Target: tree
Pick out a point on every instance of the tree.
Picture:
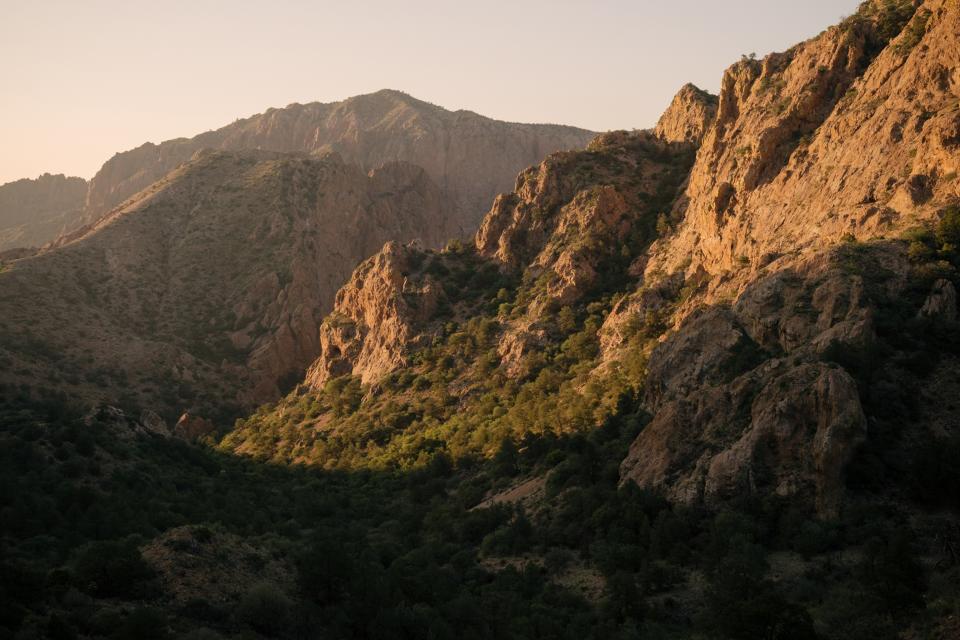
(112, 569)
(948, 229)
(265, 608)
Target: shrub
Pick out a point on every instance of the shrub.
(144, 624)
(948, 229)
(112, 569)
(265, 608)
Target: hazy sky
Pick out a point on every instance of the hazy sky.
(81, 80)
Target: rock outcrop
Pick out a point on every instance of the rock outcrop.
(688, 117)
(192, 428)
(556, 228)
(378, 317)
(35, 212)
(743, 400)
(842, 134)
(471, 157)
(849, 136)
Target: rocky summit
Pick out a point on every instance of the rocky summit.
(697, 381)
(471, 158)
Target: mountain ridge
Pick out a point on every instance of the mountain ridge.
(367, 130)
(34, 211)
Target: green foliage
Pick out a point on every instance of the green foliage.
(913, 32)
(948, 230)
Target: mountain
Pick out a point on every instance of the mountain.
(770, 293)
(694, 382)
(34, 212)
(770, 321)
(208, 287)
(471, 158)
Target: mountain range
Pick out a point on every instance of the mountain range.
(472, 158)
(697, 381)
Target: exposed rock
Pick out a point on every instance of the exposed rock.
(124, 426)
(942, 302)
(518, 341)
(804, 427)
(472, 157)
(688, 117)
(378, 317)
(153, 423)
(192, 428)
(827, 139)
(586, 193)
(741, 400)
(34, 212)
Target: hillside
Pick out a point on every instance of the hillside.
(34, 212)
(693, 382)
(756, 347)
(471, 158)
(774, 320)
(207, 289)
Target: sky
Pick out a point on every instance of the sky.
(80, 81)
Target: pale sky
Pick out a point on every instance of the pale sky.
(82, 80)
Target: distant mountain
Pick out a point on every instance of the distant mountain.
(471, 157)
(208, 287)
(34, 212)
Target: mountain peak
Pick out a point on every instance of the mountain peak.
(690, 113)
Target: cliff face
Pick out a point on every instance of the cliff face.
(689, 116)
(759, 300)
(378, 317)
(34, 212)
(844, 138)
(471, 158)
(210, 286)
(554, 232)
(827, 139)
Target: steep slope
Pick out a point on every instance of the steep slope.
(34, 212)
(688, 118)
(208, 288)
(477, 344)
(471, 157)
(616, 414)
(830, 138)
(849, 137)
(744, 326)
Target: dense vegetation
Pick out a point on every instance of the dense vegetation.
(104, 529)
(407, 555)
(456, 499)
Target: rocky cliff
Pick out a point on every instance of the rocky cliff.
(379, 315)
(852, 132)
(754, 298)
(34, 212)
(209, 287)
(689, 116)
(846, 138)
(471, 158)
(554, 231)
